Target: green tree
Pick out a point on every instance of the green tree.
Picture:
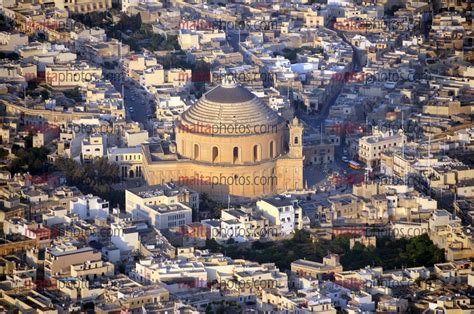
(45, 94)
(96, 178)
(3, 153)
(33, 160)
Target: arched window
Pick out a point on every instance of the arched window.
(256, 153)
(236, 154)
(196, 151)
(215, 154)
(296, 140)
(272, 149)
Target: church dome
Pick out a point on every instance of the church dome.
(227, 107)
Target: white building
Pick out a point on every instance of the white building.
(165, 194)
(135, 137)
(89, 207)
(125, 237)
(55, 216)
(164, 206)
(180, 272)
(93, 147)
(164, 216)
(282, 211)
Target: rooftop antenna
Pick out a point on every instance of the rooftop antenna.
(239, 36)
(121, 66)
(429, 150)
(321, 133)
(403, 140)
(403, 148)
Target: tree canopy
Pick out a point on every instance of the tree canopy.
(389, 253)
(95, 178)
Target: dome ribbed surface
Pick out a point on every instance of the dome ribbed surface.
(230, 106)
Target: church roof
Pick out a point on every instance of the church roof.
(230, 105)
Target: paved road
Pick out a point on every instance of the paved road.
(317, 175)
(137, 102)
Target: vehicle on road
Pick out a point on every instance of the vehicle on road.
(345, 159)
(355, 165)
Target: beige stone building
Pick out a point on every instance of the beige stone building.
(71, 76)
(448, 233)
(59, 259)
(371, 147)
(365, 241)
(319, 152)
(80, 6)
(8, 42)
(312, 19)
(329, 265)
(230, 144)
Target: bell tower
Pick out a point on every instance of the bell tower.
(296, 139)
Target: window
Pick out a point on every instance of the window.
(236, 154)
(272, 149)
(256, 153)
(215, 154)
(196, 151)
(296, 140)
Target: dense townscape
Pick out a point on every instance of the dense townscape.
(236, 156)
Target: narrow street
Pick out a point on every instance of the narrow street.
(136, 99)
(317, 175)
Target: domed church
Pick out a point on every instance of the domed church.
(229, 144)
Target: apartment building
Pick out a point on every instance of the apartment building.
(318, 152)
(133, 299)
(9, 42)
(371, 147)
(283, 212)
(453, 272)
(154, 75)
(92, 270)
(312, 19)
(58, 259)
(447, 232)
(135, 136)
(125, 236)
(31, 302)
(89, 207)
(80, 6)
(139, 63)
(77, 75)
(164, 216)
(161, 194)
(273, 301)
(329, 266)
(151, 271)
(93, 147)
